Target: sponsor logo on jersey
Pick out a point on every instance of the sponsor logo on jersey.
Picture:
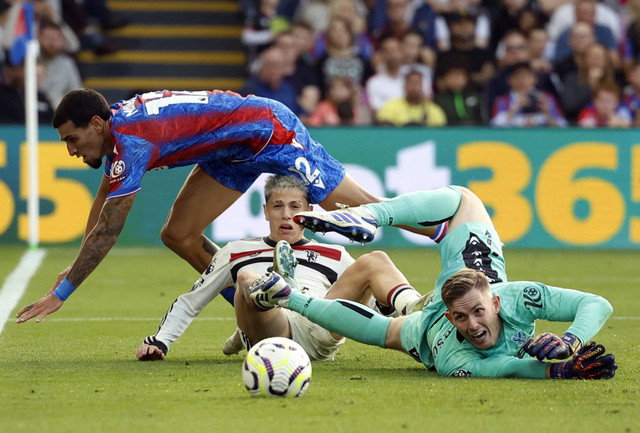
(477, 255)
(439, 342)
(533, 298)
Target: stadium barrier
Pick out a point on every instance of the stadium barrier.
(547, 188)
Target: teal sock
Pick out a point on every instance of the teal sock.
(418, 209)
(347, 318)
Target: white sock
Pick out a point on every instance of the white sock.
(403, 296)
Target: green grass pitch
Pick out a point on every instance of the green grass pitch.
(76, 371)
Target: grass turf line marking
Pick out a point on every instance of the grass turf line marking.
(216, 319)
(128, 319)
(16, 283)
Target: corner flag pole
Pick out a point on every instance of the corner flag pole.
(31, 115)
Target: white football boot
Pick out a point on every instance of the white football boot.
(356, 223)
(285, 262)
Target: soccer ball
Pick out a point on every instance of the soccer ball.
(276, 367)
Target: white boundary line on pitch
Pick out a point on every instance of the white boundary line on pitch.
(128, 319)
(209, 319)
(16, 283)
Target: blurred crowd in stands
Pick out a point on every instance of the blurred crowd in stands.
(505, 63)
(62, 28)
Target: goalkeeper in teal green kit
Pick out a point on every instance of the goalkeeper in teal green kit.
(476, 323)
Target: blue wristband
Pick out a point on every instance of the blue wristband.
(64, 290)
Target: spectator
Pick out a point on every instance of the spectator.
(62, 74)
(270, 80)
(482, 30)
(424, 22)
(261, 24)
(388, 83)
(506, 17)
(314, 12)
(524, 105)
(43, 10)
(540, 51)
(513, 49)
(459, 101)
(298, 72)
(632, 92)
(578, 86)
(340, 107)
(581, 38)
(585, 12)
(303, 36)
(633, 29)
(528, 19)
(480, 60)
(348, 11)
(341, 59)
(564, 16)
(414, 109)
(416, 56)
(399, 16)
(77, 16)
(606, 109)
(12, 95)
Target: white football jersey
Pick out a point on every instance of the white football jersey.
(319, 266)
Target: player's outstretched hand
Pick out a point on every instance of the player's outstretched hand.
(61, 276)
(41, 308)
(550, 346)
(147, 352)
(590, 362)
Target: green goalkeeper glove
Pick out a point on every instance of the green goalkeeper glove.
(589, 363)
(550, 346)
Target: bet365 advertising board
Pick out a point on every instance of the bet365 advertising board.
(547, 188)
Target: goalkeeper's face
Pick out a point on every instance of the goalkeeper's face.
(475, 315)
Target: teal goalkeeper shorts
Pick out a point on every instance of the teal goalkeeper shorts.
(471, 245)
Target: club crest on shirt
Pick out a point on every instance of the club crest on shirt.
(117, 168)
(312, 256)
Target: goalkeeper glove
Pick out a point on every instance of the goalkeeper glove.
(589, 363)
(550, 346)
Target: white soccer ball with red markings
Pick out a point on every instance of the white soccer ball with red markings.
(276, 367)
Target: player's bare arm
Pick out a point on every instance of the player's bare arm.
(94, 248)
(94, 213)
(101, 239)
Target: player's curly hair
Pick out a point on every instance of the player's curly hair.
(80, 106)
(460, 283)
(279, 182)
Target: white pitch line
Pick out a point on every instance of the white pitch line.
(210, 319)
(127, 319)
(16, 283)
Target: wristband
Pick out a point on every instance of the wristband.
(64, 290)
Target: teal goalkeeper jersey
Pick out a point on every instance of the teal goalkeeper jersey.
(522, 302)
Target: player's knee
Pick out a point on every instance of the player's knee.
(375, 261)
(174, 240)
(244, 280)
